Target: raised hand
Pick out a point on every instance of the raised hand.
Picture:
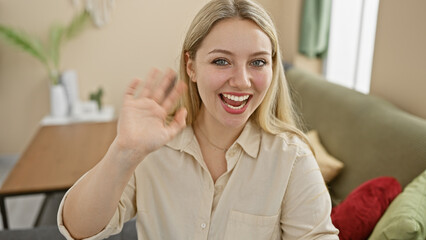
(142, 126)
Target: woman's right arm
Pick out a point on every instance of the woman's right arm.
(142, 128)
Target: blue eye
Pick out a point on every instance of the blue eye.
(221, 62)
(258, 63)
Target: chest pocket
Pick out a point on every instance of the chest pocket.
(248, 226)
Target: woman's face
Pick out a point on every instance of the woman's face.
(233, 71)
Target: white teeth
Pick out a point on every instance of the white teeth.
(236, 108)
(236, 98)
(241, 99)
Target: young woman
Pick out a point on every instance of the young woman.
(228, 164)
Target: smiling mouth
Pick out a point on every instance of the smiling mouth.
(233, 101)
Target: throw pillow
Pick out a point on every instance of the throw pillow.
(329, 166)
(406, 216)
(357, 215)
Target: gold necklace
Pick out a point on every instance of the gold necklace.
(213, 145)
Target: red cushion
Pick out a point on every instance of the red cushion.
(357, 215)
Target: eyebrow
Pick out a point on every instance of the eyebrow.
(230, 53)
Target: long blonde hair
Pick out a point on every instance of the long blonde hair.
(275, 114)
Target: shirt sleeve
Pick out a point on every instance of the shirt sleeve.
(306, 206)
(125, 211)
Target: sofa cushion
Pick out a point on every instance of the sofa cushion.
(329, 166)
(406, 216)
(357, 215)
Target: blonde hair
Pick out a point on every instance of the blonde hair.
(275, 114)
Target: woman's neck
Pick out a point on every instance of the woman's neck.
(216, 133)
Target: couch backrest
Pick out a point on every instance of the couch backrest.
(371, 136)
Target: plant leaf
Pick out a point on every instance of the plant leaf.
(56, 37)
(77, 24)
(24, 42)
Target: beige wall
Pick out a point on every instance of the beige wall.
(142, 34)
(399, 65)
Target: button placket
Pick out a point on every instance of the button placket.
(207, 204)
(218, 188)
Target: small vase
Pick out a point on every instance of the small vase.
(58, 101)
(70, 82)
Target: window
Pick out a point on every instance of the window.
(351, 43)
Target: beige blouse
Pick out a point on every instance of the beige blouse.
(273, 189)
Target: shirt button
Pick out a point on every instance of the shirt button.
(203, 225)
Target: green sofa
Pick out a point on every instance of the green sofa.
(370, 136)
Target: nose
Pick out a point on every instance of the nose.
(241, 78)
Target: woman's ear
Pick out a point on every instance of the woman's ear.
(190, 67)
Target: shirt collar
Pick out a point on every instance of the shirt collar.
(182, 140)
(249, 139)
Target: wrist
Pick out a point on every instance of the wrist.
(126, 159)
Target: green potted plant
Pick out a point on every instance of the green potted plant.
(49, 54)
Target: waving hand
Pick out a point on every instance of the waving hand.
(142, 126)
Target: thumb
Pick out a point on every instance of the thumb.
(178, 123)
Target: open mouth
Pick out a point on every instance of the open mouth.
(233, 101)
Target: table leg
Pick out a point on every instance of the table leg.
(47, 196)
(3, 212)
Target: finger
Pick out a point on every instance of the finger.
(174, 96)
(171, 86)
(178, 123)
(131, 89)
(161, 92)
(148, 89)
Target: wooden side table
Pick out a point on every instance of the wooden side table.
(56, 158)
